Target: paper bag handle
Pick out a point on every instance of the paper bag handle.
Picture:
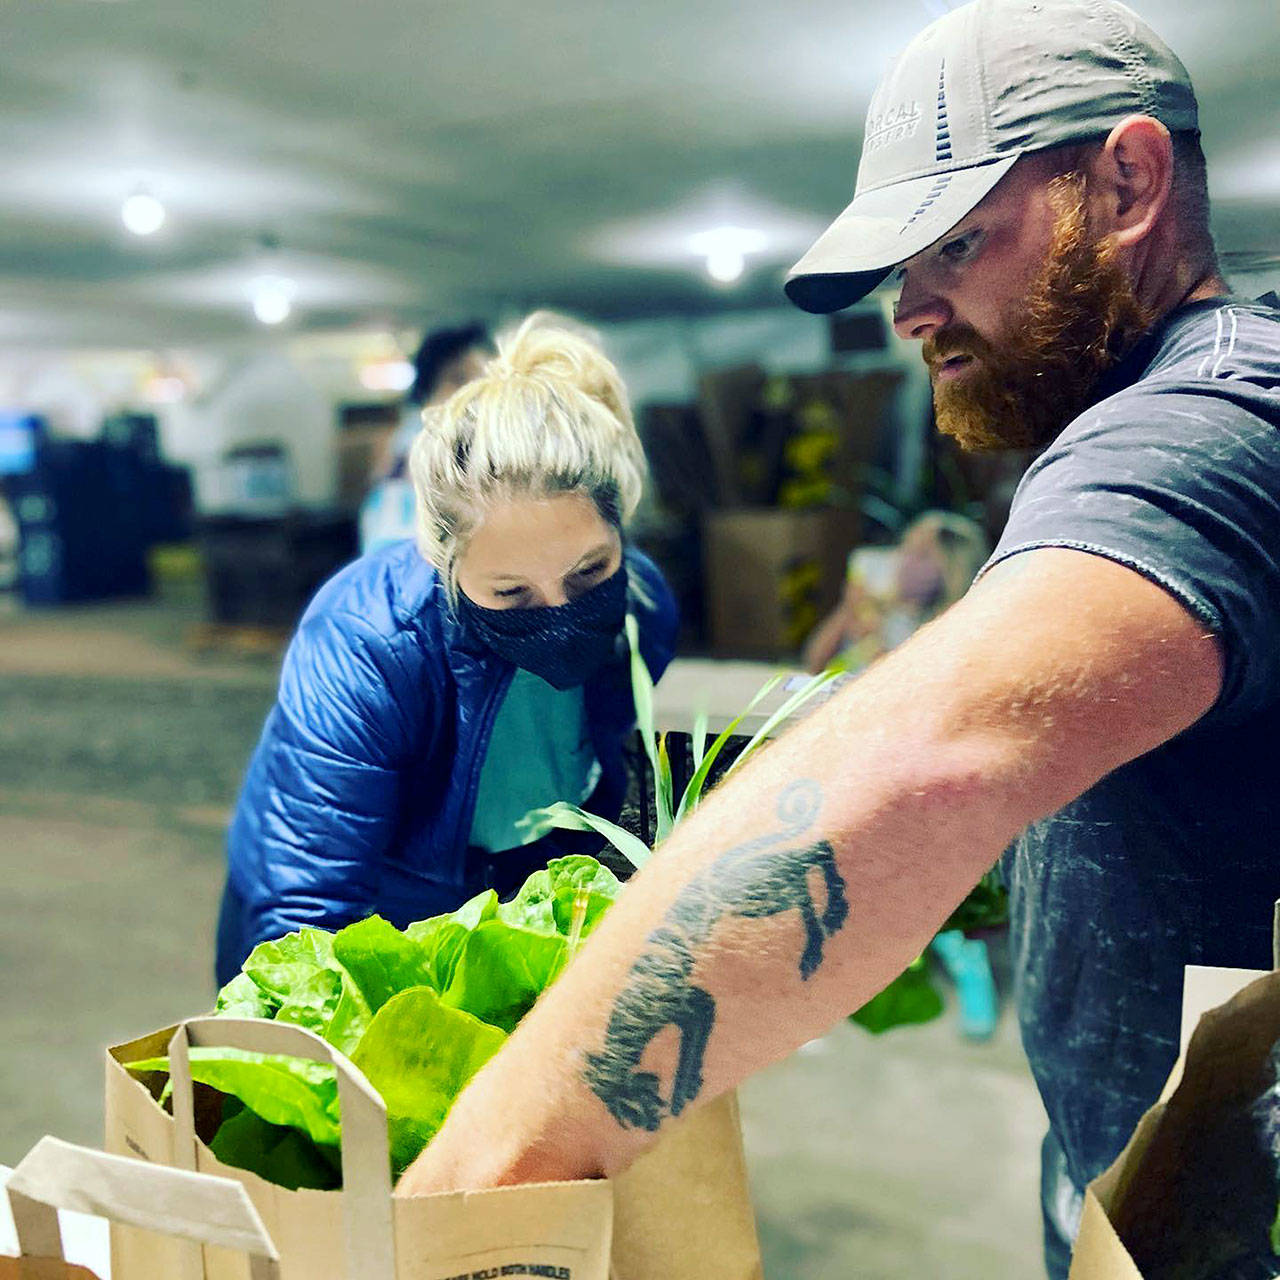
(366, 1158)
(57, 1175)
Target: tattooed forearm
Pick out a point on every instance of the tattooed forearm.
(763, 877)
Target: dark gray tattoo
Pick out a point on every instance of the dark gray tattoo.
(755, 880)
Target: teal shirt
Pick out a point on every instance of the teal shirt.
(540, 752)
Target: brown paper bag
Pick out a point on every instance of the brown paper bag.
(1193, 1170)
(682, 1213)
(56, 1175)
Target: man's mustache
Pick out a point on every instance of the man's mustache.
(958, 340)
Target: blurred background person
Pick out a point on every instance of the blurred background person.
(446, 360)
(890, 591)
(436, 692)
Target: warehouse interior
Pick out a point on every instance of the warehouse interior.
(225, 230)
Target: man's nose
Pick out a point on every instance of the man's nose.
(919, 312)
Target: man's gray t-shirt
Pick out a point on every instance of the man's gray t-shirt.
(1174, 858)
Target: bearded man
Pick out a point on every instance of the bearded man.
(1102, 704)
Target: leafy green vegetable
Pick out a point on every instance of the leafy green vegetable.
(243, 998)
(419, 1055)
(281, 1155)
(418, 1010)
(702, 767)
(570, 817)
(909, 998)
(299, 974)
(351, 1017)
(475, 911)
(546, 900)
(986, 907)
(577, 923)
(642, 697)
(502, 970)
(380, 960)
(814, 685)
(299, 979)
(698, 744)
(294, 1092)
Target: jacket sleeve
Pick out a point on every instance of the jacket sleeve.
(321, 799)
(656, 613)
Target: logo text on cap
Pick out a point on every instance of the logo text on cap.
(892, 125)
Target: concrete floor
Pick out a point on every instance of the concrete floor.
(914, 1154)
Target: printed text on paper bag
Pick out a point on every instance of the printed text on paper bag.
(515, 1269)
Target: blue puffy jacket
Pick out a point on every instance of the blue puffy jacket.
(360, 795)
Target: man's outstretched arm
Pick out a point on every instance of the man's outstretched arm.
(807, 883)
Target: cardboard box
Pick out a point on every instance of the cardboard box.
(795, 440)
(682, 476)
(728, 402)
(837, 425)
(772, 575)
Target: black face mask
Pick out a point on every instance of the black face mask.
(565, 644)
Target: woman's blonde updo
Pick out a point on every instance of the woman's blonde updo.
(549, 414)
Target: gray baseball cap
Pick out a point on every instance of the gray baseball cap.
(975, 90)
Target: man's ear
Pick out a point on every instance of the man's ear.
(1133, 178)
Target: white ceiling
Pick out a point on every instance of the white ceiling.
(413, 159)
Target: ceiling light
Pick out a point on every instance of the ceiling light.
(273, 299)
(142, 214)
(387, 375)
(725, 265)
(165, 388)
(725, 250)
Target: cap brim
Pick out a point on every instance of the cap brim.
(882, 228)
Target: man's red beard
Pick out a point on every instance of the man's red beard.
(1080, 316)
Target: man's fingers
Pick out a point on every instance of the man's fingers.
(825, 642)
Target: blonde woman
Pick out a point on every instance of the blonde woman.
(890, 592)
(436, 692)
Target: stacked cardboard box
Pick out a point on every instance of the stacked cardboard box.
(789, 456)
(772, 574)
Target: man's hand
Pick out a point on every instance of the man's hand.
(830, 638)
(491, 1139)
(811, 880)
(857, 616)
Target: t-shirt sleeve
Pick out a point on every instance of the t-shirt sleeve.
(1181, 485)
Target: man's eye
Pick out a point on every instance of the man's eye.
(591, 570)
(960, 249)
(509, 593)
